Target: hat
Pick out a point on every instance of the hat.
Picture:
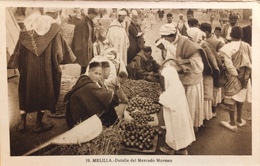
(233, 17)
(168, 29)
(51, 10)
(236, 32)
(121, 13)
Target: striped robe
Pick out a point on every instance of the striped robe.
(37, 58)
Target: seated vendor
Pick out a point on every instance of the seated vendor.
(143, 66)
(116, 84)
(87, 97)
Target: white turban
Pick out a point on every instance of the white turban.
(168, 29)
(195, 34)
(121, 13)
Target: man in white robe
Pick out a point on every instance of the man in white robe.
(118, 38)
(189, 59)
(176, 113)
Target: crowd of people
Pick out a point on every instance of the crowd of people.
(201, 68)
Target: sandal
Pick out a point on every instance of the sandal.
(44, 127)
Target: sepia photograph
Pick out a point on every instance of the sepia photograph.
(130, 84)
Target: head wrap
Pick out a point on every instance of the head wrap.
(39, 23)
(134, 12)
(168, 29)
(195, 34)
(121, 13)
(180, 15)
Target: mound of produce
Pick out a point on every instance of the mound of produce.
(143, 103)
(141, 118)
(142, 88)
(139, 136)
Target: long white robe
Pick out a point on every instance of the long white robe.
(118, 38)
(178, 122)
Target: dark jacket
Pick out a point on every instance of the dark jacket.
(141, 66)
(85, 99)
(82, 42)
(136, 43)
(38, 65)
(247, 35)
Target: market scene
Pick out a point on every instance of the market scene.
(129, 81)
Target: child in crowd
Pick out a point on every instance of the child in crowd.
(217, 33)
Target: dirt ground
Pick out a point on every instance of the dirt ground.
(211, 139)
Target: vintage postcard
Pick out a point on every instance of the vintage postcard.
(135, 83)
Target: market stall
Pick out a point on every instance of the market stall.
(136, 131)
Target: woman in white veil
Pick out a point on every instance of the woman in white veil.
(177, 118)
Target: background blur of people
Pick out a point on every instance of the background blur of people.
(160, 14)
(169, 18)
(190, 14)
(182, 25)
(226, 30)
